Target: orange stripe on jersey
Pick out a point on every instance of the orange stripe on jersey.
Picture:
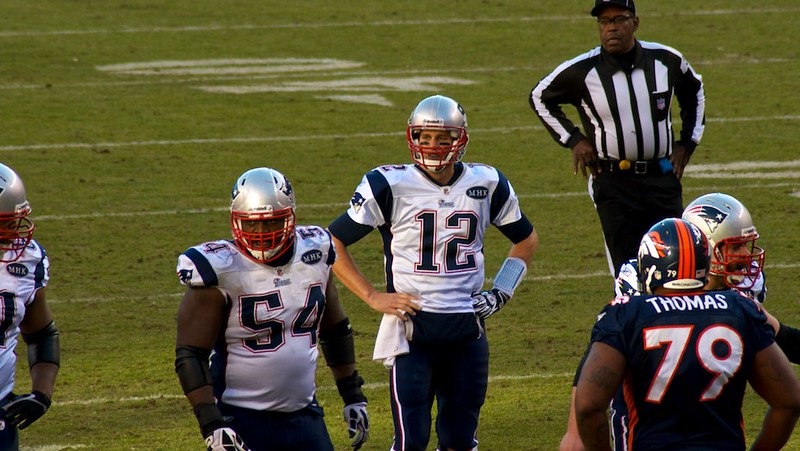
(686, 262)
(633, 414)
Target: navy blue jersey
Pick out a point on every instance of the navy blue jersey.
(689, 357)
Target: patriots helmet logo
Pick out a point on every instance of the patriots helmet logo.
(712, 216)
(185, 275)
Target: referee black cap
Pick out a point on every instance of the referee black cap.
(600, 4)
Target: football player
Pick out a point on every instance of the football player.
(258, 306)
(683, 356)
(433, 216)
(736, 262)
(23, 278)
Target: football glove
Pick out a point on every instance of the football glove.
(355, 415)
(225, 439)
(23, 410)
(488, 302)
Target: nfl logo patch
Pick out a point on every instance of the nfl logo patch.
(661, 104)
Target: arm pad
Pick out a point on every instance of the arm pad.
(191, 364)
(43, 346)
(510, 275)
(337, 344)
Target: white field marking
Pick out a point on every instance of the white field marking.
(229, 66)
(386, 23)
(254, 139)
(375, 99)
(52, 447)
(359, 84)
(283, 75)
(744, 170)
(546, 278)
(370, 386)
(131, 214)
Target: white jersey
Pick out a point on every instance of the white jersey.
(269, 358)
(628, 282)
(433, 235)
(19, 281)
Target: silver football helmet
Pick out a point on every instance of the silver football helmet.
(437, 113)
(731, 235)
(262, 214)
(16, 229)
(673, 254)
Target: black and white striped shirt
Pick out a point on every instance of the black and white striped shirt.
(625, 112)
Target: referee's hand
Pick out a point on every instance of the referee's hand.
(584, 156)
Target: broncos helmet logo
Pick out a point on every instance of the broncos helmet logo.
(711, 215)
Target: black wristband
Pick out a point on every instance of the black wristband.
(350, 389)
(42, 398)
(209, 418)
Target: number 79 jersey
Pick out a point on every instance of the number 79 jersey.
(689, 357)
(433, 235)
(267, 359)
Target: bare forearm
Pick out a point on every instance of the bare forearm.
(593, 429)
(776, 430)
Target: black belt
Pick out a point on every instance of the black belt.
(647, 167)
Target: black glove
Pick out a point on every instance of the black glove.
(23, 410)
(487, 302)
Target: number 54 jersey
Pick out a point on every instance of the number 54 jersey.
(19, 281)
(689, 357)
(267, 357)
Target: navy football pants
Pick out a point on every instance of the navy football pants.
(457, 375)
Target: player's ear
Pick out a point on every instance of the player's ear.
(635, 23)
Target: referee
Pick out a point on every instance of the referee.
(623, 92)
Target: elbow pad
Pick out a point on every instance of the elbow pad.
(191, 364)
(44, 346)
(337, 344)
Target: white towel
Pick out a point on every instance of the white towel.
(391, 340)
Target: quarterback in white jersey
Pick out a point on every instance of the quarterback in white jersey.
(24, 273)
(433, 216)
(259, 305)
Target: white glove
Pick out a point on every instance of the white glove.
(355, 415)
(225, 439)
(487, 302)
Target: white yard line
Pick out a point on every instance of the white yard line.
(385, 23)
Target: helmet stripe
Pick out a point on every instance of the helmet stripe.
(686, 262)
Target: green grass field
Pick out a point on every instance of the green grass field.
(130, 120)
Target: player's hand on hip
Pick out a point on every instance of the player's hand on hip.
(584, 156)
(486, 303)
(355, 415)
(397, 304)
(225, 439)
(23, 410)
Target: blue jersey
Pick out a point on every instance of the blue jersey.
(689, 357)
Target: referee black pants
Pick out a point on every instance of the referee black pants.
(629, 204)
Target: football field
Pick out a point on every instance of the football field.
(130, 120)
